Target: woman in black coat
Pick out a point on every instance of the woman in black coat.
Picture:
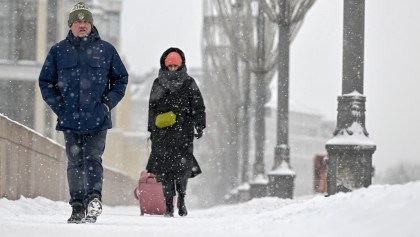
(171, 158)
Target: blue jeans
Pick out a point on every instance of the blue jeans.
(84, 164)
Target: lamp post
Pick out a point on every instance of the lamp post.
(281, 177)
(258, 185)
(350, 150)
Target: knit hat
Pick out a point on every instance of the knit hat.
(173, 58)
(80, 11)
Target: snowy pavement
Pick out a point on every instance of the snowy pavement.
(378, 211)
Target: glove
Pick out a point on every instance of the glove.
(199, 133)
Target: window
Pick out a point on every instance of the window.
(18, 30)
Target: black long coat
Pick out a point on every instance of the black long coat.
(172, 147)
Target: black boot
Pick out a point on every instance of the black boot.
(77, 214)
(169, 207)
(182, 209)
(168, 193)
(181, 188)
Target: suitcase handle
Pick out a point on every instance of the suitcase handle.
(148, 178)
(136, 194)
(151, 180)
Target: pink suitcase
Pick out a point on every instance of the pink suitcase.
(149, 192)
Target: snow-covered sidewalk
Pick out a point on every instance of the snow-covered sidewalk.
(378, 211)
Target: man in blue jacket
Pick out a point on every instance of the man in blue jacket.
(82, 80)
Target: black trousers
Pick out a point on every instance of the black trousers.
(84, 164)
(173, 186)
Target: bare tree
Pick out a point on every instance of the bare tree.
(253, 39)
(237, 47)
(222, 88)
(287, 12)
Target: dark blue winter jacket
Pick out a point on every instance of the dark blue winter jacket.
(78, 77)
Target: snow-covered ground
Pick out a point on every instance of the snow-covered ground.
(380, 210)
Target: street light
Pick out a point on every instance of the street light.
(258, 185)
(350, 150)
(281, 177)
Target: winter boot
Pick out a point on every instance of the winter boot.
(169, 207)
(77, 214)
(94, 208)
(181, 187)
(182, 209)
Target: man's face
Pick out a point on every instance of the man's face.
(81, 28)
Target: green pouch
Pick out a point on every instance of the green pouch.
(165, 120)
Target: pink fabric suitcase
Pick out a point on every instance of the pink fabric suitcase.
(149, 192)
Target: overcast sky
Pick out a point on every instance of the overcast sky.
(392, 65)
(151, 27)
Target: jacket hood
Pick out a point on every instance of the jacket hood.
(162, 58)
